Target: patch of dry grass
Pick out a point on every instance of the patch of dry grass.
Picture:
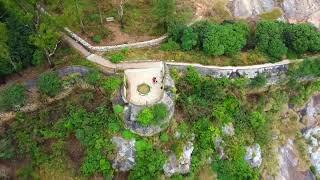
(244, 58)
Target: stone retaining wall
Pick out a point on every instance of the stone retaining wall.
(235, 71)
(87, 45)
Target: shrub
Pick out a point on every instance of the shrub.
(111, 84)
(118, 109)
(226, 39)
(164, 137)
(12, 97)
(259, 81)
(175, 30)
(302, 38)
(170, 46)
(160, 112)
(97, 38)
(94, 78)
(153, 114)
(38, 57)
(50, 84)
(127, 135)
(269, 37)
(149, 162)
(309, 67)
(257, 120)
(146, 117)
(189, 39)
(116, 58)
(273, 15)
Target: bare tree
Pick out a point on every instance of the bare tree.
(121, 4)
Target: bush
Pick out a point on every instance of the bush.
(160, 112)
(257, 120)
(146, 117)
(149, 162)
(118, 109)
(153, 114)
(259, 81)
(309, 67)
(175, 30)
(116, 58)
(189, 39)
(94, 78)
(38, 57)
(50, 84)
(269, 37)
(112, 84)
(170, 46)
(164, 137)
(12, 97)
(97, 38)
(226, 39)
(302, 38)
(127, 135)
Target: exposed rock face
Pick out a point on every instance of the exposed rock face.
(228, 129)
(302, 10)
(313, 137)
(125, 158)
(253, 156)
(289, 164)
(311, 113)
(294, 10)
(219, 144)
(249, 8)
(181, 165)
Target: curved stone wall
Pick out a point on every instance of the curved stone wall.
(150, 43)
(236, 71)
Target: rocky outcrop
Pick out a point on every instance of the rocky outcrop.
(228, 129)
(289, 164)
(253, 156)
(302, 11)
(312, 135)
(311, 112)
(125, 158)
(181, 165)
(250, 8)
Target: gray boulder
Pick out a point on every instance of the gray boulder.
(289, 164)
(302, 10)
(181, 165)
(228, 129)
(253, 156)
(251, 8)
(125, 158)
(312, 135)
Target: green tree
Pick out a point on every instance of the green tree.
(50, 84)
(212, 43)
(189, 39)
(48, 38)
(302, 38)
(269, 37)
(175, 30)
(226, 39)
(12, 97)
(164, 11)
(7, 66)
(149, 162)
